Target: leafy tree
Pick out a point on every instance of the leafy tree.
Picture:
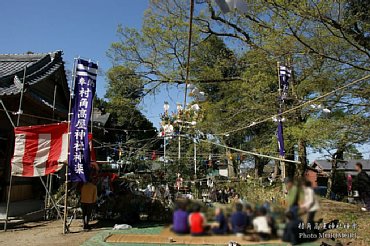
(156, 53)
(231, 103)
(321, 28)
(317, 37)
(353, 153)
(325, 42)
(132, 131)
(338, 134)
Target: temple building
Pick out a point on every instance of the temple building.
(45, 99)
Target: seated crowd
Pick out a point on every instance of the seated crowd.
(258, 222)
(243, 220)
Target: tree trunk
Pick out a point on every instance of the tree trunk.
(258, 170)
(236, 168)
(259, 164)
(230, 165)
(276, 169)
(337, 157)
(302, 157)
(290, 167)
(330, 178)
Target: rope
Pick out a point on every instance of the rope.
(189, 50)
(59, 121)
(296, 107)
(250, 153)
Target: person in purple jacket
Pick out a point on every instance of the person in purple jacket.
(180, 219)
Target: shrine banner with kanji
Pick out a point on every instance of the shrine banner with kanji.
(84, 91)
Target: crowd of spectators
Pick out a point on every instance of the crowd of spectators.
(257, 222)
(243, 220)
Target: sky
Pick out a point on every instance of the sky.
(79, 28)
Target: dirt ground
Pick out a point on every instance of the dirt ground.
(50, 233)
(347, 214)
(45, 233)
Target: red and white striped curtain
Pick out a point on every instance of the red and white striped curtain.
(40, 150)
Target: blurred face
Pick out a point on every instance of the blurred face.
(217, 211)
(289, 185)
(358, 169)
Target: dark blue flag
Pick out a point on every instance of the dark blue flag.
(284, 75)
(84, 91)
(280, 138)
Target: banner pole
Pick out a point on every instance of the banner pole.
(282, 162)
(8, 201)
(49, 179)
(278, 75)
(69, 136)
(92, 109)
(46, 199)
(11, 176)
(21, 99)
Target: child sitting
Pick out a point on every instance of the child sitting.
(197, 221)
(180, 219)
(220, 226)
(239, 220)
(261, 224)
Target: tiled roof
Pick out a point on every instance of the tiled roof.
(45, 102)
(347, 165)
(102, 119)
(38, 67)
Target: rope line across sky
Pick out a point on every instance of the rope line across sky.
(294, 108)
(217, 134)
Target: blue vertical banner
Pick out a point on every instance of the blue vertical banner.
(84, 91)
(280, 138)
(284, 75)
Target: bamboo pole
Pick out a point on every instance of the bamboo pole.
(65, 229)
(49, 180)
(11, 176)
(282, 161)
(189, 50)
(21, 99)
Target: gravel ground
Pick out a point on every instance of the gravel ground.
(45, 233)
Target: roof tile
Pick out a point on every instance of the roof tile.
(39, 66)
